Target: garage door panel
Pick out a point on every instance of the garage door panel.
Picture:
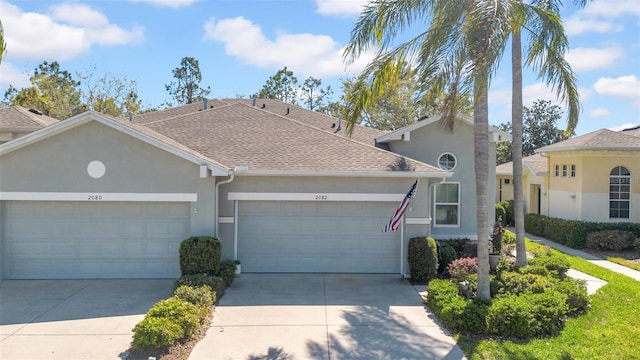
(316, 237)
(93, 240)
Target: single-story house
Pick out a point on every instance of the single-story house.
(282, 187)
(593, 177)
(16, 121)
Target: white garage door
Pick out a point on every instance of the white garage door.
(68, 240)
(288, 236)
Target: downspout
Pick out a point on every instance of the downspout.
(217, 202)
(429, 205)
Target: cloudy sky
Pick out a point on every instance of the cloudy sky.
(241, 43)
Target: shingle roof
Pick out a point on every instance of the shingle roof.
(602, 139)
(242, 135)
(635, 131)
(18, 118)
(274, 106)
(537, 163)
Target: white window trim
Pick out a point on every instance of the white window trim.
(572, 170)
(565, 170)
(435, 203)
(556, 170)
(619, 192)
(455, 159)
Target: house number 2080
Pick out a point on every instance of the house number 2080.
(321, 197)
(95, 197)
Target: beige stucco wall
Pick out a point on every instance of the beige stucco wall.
(586, 197)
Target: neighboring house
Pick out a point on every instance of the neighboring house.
(283, 188)
(534, 173)
(16, 121)
(593, 177)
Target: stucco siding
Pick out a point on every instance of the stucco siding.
(565, 204)
(59, 164)
(427, 144)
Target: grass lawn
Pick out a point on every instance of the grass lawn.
(609, 330)
(624, 262)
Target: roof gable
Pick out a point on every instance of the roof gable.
(403, 133)
(137, 131)
(536, 163)
(602, 139)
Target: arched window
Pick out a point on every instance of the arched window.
(619, 193)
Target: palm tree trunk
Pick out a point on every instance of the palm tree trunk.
(516, 123)
(481, 150)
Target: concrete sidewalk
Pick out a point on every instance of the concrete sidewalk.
(634, 274)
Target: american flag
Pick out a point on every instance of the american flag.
(394, 222)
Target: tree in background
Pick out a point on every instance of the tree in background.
(186, 88)
(109, 94)
(3, 44)
(54, 92)
(313, 95)
(401, 102)
(540, 129)
(282, 86)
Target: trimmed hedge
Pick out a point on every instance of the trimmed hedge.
(167, 322)
(215, 283)
(572, 233)
(199, 255)
(423, 259)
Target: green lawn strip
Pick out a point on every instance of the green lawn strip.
(609, 330)
(624, 262)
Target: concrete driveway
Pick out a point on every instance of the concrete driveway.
(73, 319)
(318, 316)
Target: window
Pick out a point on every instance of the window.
(507, 181)
(573, 171)
(447, 204)
(619, 193)
(556, 171)
(564, 170)
(447, 161)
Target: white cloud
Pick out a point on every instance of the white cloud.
(622, 87)
(309, 54)
(584, 59)
(622, 127)
(340, 7)
(599, 112)
(10, 75)
(166, 3)
(58, 35)
(599, 16)
(612, 8)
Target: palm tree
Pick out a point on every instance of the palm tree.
(457, 53)
(555, 71)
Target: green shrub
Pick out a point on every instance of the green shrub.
(227, 271)
(610, 240)
(636, 244)
(155, 333)
(216, 283)
(456, 312)
(200, 296)
(508, 237)
(516, 283)
(501, 214)
(509, 210)
(506, 263)
(572, 233)
(459, 245)
(557, 264)
(578, 299)
(461, 268)
(446, 254)
(181, 312)
(527, 315)
(423, 259)
(200, 254)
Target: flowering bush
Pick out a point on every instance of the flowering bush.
(460, 268)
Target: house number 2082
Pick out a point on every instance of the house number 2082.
(95, 197)
(321, 197)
